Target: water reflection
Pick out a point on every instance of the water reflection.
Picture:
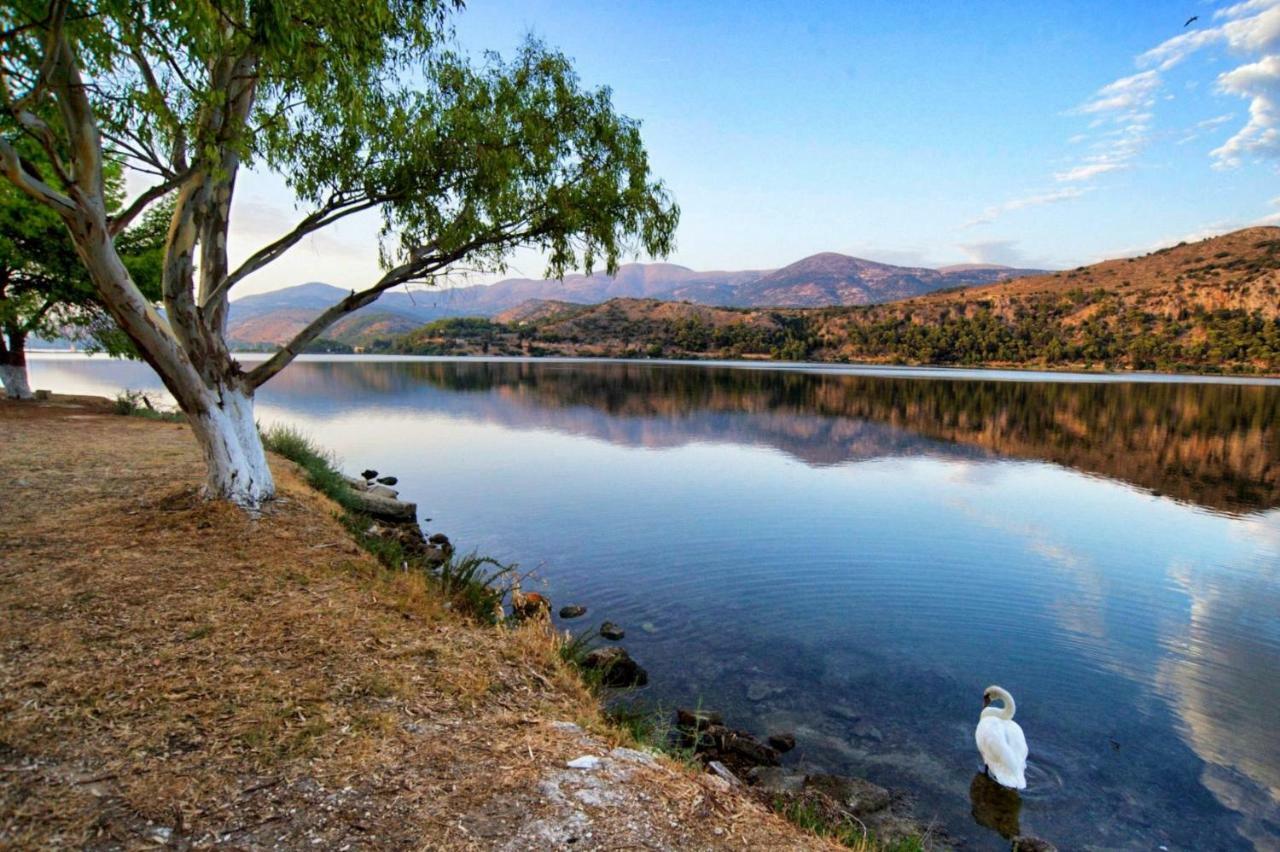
(852, 556)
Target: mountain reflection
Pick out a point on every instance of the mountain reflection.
(1214, 445)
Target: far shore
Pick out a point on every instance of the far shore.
(994, 372)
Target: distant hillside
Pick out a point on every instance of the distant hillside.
(821, 280)
(1209, 306)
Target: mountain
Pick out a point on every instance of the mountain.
(826, 279)
(1210, 306)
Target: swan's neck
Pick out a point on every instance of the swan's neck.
(1005, 712)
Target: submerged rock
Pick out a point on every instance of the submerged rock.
(759, 690)
(609, 630)
(1025, 843)
(775, 779)
(855, 795)
(697, 720)
(572, 611)
(782, 742)
(616, 667)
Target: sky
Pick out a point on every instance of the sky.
(920, 133)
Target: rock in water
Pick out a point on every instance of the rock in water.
(572, 611)
(855, 795)
(609, 630)
(782, 742)
(439, 538)
(697, 720)
(616, 667)
(1025, 843)
(388, 480)
(369, 474)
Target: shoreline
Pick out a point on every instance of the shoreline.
(239, 669)
(999, 373)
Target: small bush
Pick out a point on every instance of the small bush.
(135, 403)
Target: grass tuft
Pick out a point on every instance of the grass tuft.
(135, 403)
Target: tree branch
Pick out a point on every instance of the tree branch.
(11, 164)
(313, 222)
(121, 220)
(416, 267)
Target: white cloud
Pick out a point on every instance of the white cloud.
(1259, 81)
(1251, 29)
(1086, 171)
(1124, 95)
(1002, 252)
(1036, 200)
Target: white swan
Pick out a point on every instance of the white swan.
(1000, 740)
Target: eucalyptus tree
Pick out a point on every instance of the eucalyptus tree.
(45, 290)
(360, 106)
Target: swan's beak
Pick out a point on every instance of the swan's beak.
(986, 700)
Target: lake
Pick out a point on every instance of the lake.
(853, 555)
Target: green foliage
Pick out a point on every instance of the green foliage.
(45, 290)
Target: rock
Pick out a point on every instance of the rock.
(525, 605)
(587, 761)
(697, 720)
(439, 538)
(775, 779)
(369, 474)
(760, 690)
(1026, 843)
(750, 749)
(387, 480)
(866, 730)
(855, 795)
(383, 491)
(357, 484)
(572, 611)
(648, 627)
(722, 771)
(42, 395)
(385, 509)
(782, 742)
(632, 755)
(609, 630)
(616, 667)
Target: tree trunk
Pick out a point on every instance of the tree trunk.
(234, 456)
(13, 366)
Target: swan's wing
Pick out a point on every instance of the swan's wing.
(1017, 743)
(1001, 756)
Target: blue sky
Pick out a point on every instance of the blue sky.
(921, 133)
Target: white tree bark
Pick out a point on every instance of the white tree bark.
(228, 435)
(14, 379)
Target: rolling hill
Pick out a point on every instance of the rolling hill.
(1209, 306)
(826, 279)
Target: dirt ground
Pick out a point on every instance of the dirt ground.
(176, 673)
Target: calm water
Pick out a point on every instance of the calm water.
(855, 556)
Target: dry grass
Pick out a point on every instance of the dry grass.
(171, 665)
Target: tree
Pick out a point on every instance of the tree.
(466, 166)
(45, 290)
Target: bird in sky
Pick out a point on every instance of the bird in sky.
(1191, 21)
